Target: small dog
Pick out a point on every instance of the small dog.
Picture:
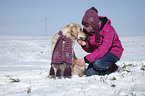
(74, 32)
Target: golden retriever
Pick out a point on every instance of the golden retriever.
(74, 32)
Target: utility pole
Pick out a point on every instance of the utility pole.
(45, 32)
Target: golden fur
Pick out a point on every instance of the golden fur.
(74, 32)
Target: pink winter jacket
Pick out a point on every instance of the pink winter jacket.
(109, 42)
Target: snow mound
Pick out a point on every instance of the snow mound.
(25, 63)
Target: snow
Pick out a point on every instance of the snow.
(27, 60)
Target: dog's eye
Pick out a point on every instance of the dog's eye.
(81, 29)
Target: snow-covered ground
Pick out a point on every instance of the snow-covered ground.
(25, 63)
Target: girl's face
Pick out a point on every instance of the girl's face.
(88, 28)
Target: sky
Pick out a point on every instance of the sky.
(47, 17)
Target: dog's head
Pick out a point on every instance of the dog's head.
(73, 31)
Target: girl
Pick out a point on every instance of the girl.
(102, 43)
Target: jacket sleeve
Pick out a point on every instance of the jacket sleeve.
(104, 48)
(86, 48)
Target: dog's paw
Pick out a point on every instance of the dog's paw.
(51, 77)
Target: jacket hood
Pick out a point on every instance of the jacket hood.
(104, 21)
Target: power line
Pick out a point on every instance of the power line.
(19, 23)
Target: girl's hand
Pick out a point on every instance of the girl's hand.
(81, 42)
(80, 62)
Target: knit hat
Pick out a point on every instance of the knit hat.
(91, 17)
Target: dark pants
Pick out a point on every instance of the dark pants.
(100, 66)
